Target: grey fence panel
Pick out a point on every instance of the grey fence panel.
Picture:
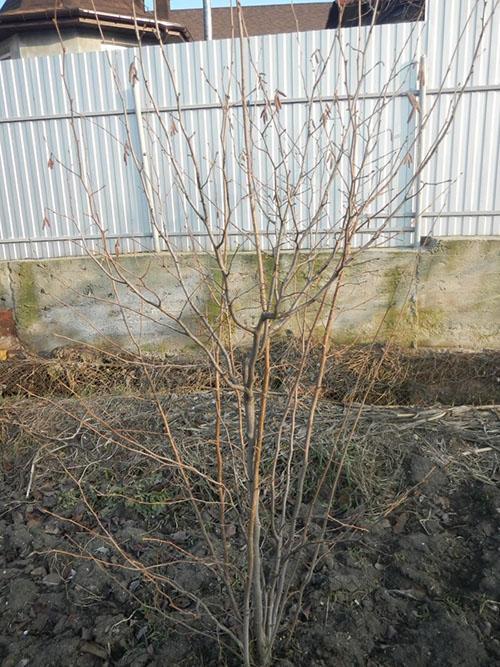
(459, 22)
(62, 119)
(466, 199)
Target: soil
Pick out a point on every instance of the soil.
(415, 582)
(422, 588)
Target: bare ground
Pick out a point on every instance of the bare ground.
(414, 578)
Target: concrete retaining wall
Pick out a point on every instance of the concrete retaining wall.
(448, 297)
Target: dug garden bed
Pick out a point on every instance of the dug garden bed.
(411, 574)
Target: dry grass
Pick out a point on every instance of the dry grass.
(125, 436)
(374, 374)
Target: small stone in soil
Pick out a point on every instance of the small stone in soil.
(487, 628)
(49, 501)
(180, 537)
(60, 626)
(94, 649)
(52, 529)
(52, 579)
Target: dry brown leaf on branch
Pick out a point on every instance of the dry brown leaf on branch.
(415, 104)
(264, 113)
(408, 159)
(326, 115)
(173, 128)
(126, 152)
(278, 94)
(132, 74)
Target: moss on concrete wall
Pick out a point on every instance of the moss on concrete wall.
(26, 296)
(448, 297)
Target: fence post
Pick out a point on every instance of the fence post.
(207, 20)
(145, 169)
(422, 101)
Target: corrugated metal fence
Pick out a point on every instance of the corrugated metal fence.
(70, 145)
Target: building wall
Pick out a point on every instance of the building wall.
(74, 40)
(444, 298)
(48, 43)
(9, 48)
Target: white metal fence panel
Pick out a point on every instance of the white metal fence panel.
(68, 129)
(469, 156)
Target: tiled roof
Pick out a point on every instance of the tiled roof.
(29, 15)
(121, 7)
(258, 20)
(298, 17)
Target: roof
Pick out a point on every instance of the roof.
(120, 7)
(188, 23)
(20, 15)
(298, 17)
(259, 20)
